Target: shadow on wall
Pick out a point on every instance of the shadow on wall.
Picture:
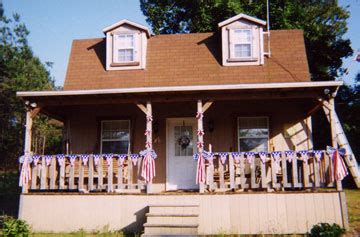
(137, 226)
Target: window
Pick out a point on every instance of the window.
(124, 48)
(183, 140)
(241, 47)
(253, 134)
(115, 136)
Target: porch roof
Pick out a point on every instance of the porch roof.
(138, 90)
(56, 103)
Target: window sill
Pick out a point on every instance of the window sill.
(242, 60)
(124, 64)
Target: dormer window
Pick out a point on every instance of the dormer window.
(240, 44)
(124, 48)
(126, 44)
(242, 41)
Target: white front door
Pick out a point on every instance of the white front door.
(181, 145)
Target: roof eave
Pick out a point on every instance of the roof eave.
(125, 21)
(253, 86)
(239, 16)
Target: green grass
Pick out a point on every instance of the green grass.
(353, 203)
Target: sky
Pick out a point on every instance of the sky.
(54, 24)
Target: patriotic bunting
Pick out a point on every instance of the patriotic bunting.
(72, 159)
(148, 165)
(85, 158)
(25, 173)
(237, 156)
(304, 156)
(199, 115)
(250, 157)
(36, 159)
(200, 173)
(134, 158)
(318, 155)
(97, 158)
(223, 157)
(340, 170)
(61, 159)
(290, 155)
(276, 155)
(109, 158)
(263, 156)
(48, 159)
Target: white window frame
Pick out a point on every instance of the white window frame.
(252, 117)
(233, 42)
(109, 140)
(116, 47)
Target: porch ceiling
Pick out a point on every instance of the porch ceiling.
(50, 101)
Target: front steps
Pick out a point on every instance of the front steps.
(172, 220)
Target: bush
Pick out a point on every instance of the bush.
(14, 227)
(326, 230)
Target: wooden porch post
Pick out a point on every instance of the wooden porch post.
(200, 111)
(333, 134)
(148, 112)
(200, 139)
(31, 112)
(149, 137)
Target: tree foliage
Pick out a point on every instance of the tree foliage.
(19, 70)
(323, 22)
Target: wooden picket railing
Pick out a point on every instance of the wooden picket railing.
(239, 174)
(221, 175)
(89, 177)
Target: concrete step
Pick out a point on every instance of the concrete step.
(174, 210)
(169, 219)
(174, 229)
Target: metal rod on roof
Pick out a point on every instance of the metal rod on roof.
(268, 25)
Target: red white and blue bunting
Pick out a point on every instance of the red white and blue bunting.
(148, 165)
(25, 173)
(340, 170)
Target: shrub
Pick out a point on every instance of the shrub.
(326, 230)
(14, 227)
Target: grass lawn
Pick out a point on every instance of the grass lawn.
(353, 203)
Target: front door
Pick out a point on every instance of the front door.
(181, 145)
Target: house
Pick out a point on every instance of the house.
(203, 133)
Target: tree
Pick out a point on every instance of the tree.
(323, 22)
(19, 70)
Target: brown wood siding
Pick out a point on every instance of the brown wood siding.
(85, 122)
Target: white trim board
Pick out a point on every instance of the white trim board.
(182, 88)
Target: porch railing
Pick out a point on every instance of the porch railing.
(242, 171)
(85, 173)
(224, 171)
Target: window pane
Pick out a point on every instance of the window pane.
(242, 50)
(183, 131)
(115, 136)
(125, 55)
(253, 134)
(253, 144)
(242, 35)
(120, 147)
(126, 41)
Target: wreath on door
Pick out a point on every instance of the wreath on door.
(184, 141)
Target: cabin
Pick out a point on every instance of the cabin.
(187, 134)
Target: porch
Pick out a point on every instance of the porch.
(221, 155)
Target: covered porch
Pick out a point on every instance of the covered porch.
(208, 138)
(135, 155)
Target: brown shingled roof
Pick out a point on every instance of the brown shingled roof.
(187, 59)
